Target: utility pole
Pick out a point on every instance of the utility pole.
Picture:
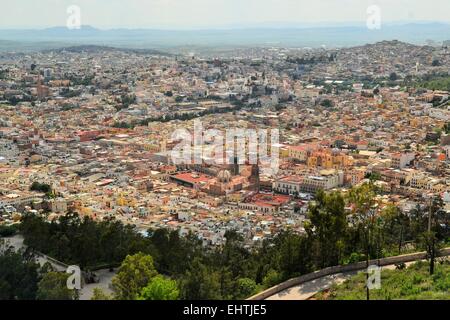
(429, 215)
(431, 239)
(401, 240)
(367, 264)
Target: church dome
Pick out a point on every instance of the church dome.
(224, 176)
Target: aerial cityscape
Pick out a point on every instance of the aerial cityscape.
(258, 170)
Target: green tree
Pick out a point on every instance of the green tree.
(40, 187)
(430, 239)
(395, 227)
(374, 176)
(294, 254)
(100, 295)
(328, 224)
(200, 282)
(134, 274)
(173, 252)
(436, 63)
(245, 288)
(53, 286)
(8, 231)
(327, 103)
(83, 241)
(393, 76)
(272, 278)
(363, 201)
(19, 274)
(160, 288)
(418, 222)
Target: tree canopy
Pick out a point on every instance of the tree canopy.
(160, 288)
(134, 274)
(53, 286)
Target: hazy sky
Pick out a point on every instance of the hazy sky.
(181, 14)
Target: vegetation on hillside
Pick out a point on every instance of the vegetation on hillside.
(438, 83)
(412, 283)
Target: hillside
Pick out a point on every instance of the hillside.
(412, 283)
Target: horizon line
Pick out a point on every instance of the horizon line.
(263, 25)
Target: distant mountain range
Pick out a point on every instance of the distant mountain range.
(417, 33)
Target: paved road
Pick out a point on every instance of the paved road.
(105, 278)
(86, 292)
(308, 289)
